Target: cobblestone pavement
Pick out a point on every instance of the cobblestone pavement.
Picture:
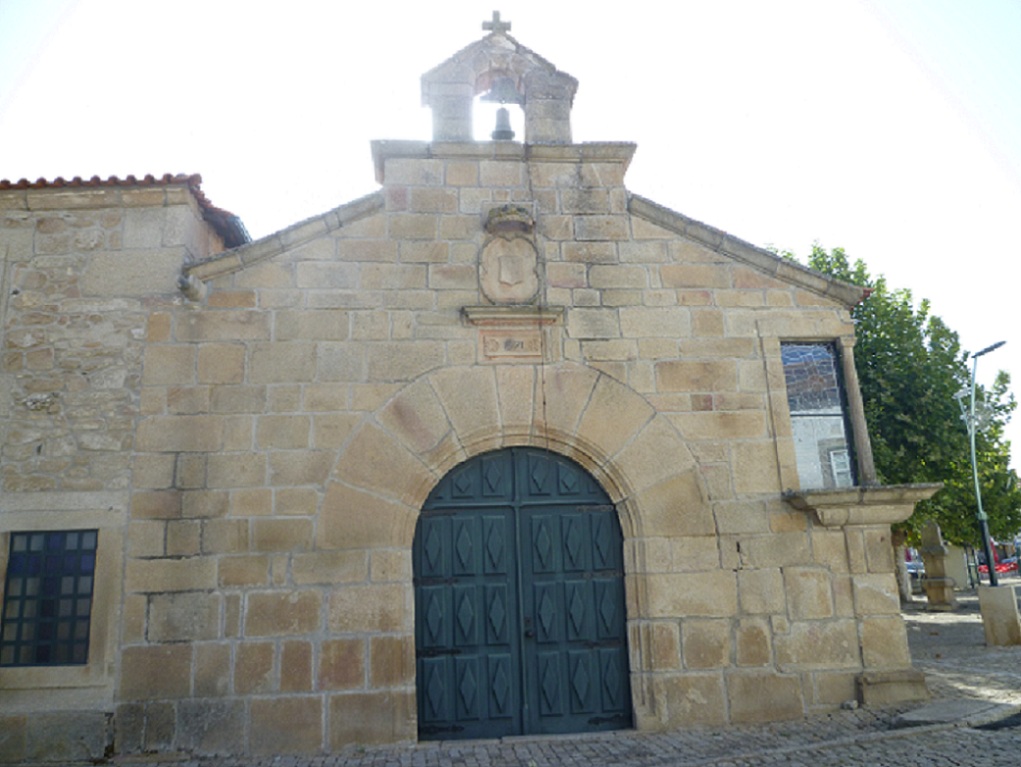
(949, 647)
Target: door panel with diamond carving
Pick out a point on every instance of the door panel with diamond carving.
(519, 599)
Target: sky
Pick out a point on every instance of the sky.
(890, 128)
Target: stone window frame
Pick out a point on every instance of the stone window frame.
(70, 685)
(780, 414)
(836, 417)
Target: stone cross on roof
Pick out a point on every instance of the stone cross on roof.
(496, 25)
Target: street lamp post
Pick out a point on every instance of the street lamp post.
(972, 423)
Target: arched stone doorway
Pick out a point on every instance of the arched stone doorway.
(520, 623)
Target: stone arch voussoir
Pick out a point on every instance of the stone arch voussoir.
(449, 415)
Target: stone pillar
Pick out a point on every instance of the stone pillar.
(899, 543)
(548, 98)
(452, 118)
(865, 514)
(999, 615)
(856, 411)
(939, 587)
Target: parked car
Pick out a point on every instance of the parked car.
(1008, 565)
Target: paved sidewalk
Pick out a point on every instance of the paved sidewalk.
(971, 684)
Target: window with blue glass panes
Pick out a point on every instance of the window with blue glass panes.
(48, 598)
(818, 408)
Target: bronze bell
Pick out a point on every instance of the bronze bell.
(503, 91)
(503, 130)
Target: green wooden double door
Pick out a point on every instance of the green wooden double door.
(520, 624)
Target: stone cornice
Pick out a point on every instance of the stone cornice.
(758, 258)
(602, 151)
(297, 234)
(874, 505)
(513, 316)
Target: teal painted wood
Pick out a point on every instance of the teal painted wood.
(519, 599)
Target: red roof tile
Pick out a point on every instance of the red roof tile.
(226, 224)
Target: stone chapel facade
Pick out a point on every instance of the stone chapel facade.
(501, 448)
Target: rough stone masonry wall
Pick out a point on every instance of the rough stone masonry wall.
(80, 271)
(293, 424)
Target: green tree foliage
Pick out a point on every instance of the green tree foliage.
(910, 367)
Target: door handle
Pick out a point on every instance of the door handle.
(529, 634)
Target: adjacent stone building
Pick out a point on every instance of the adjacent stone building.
(501, 448)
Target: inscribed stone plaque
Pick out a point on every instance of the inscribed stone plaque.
(515, 344)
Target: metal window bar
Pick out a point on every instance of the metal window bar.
(48, 598)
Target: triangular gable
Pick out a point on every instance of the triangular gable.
(274, 244)
(759, 259)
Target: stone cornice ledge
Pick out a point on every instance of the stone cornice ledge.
(513, 316)
(873, 505)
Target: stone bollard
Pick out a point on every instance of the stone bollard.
(939, 587)
(999, 615)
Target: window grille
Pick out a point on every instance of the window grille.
(48, 598)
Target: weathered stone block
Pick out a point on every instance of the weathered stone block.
(13, 738)
(282, 362)
(230, 470)
(253, 668)
(180, 433)
(391, 661)
(370, 608)
(286, 725)
(876, 594)
(166, 575)
(211, 726)
(165, 365)
(416, 417)
(184, 617)
(224, 536)
(675, 507)
(232, 299)
(753, 645)
(690, 700)
(300, 467)
(342, 665)
(330, 567)
(221, 363)
(132, 272)
(296, 666)
(757, 696)
(707, 594)
(283, 432)
(696, 376)
(281, 534)
(884, 642)
(372, 460)
(282, 613)
(776, 550)
(593, 323)
(818, 645)
(705, 643)
(250, 570)
(156, 504)
(204, 503)
(809, 593)
(375, 717)
(212, 670)
(155, 672)
(761, 591)
(223, 325)
(331, 274)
